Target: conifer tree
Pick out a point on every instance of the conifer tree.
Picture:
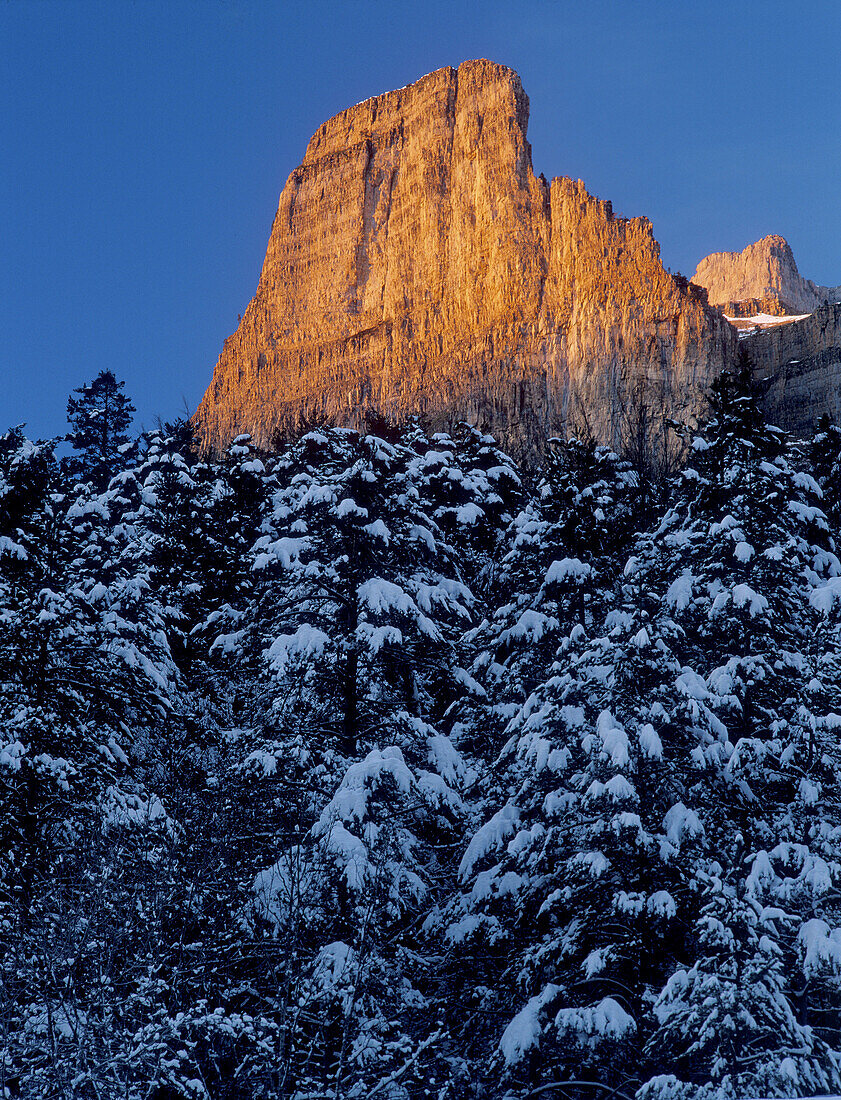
(357, 614)
(577, 889)
(471, 489)
(99, 421)
(87, 690)
(565, 547)
(750, 561)
(824, 455)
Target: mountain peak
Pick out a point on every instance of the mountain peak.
(369, 118)
(416, 266)
(762, 278)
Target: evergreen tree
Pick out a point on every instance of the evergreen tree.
(99, 421)
(565, 548)
(471, 490)
(750, 562)
(579, 886)
(825, 464)
(348, 766)
(249, 725)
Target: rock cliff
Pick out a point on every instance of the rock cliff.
(417, 265)
(764, 271)
(798, 367)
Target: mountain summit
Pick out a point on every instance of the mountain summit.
(762, 278)
(417, 265)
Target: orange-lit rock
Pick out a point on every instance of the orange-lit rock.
(762, 278)
(417, 265)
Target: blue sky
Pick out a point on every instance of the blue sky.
(144, 145)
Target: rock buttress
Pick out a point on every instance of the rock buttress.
(416, 265)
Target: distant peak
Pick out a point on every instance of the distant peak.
(763, 272)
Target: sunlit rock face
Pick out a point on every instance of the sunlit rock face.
(762, 278)
(417, 265)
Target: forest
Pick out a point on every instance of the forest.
(380, 766)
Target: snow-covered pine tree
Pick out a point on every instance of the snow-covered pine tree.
(358, 589)
(358, 611)
(578, 886)
(750, 564)
(565, 548)
(30, 525)
(824, 454)
(235, 503)
(471, 489)
(86, 691)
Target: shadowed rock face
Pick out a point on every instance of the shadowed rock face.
(416, 265)
(762, 278)
(798, 368)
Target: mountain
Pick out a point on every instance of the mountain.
(796, 360)
(798, 368)
(417, 265)
(762, 278)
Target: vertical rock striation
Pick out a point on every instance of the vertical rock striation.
(416, 265)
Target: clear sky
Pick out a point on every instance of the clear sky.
(143, 145)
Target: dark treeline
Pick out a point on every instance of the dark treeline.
(376, 767)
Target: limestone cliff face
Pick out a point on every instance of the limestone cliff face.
(798, 367)
(417, 265)
(764, 271)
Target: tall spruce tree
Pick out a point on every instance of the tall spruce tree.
(577, 889)
(348, 765)
(99, 420)
(750, 555)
